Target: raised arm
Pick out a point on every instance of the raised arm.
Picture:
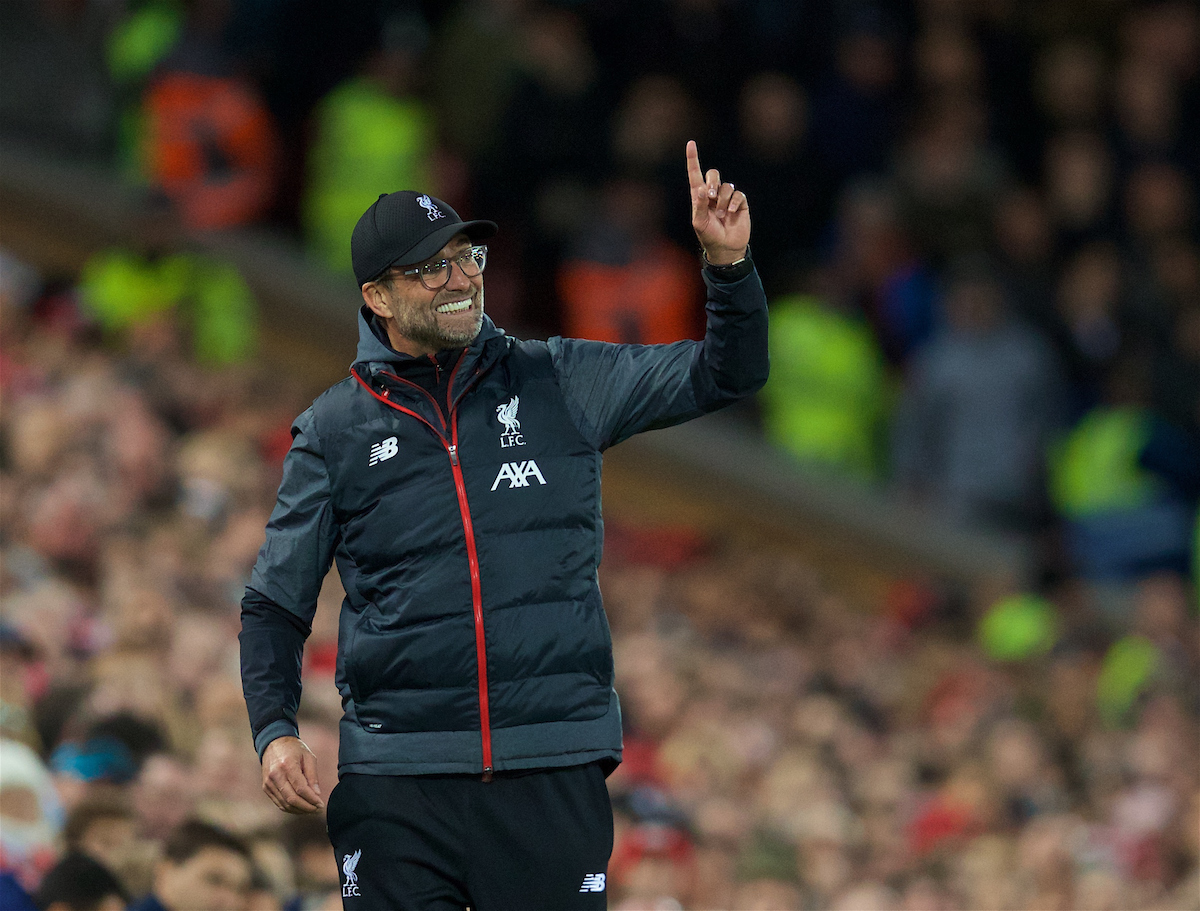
(615, 391)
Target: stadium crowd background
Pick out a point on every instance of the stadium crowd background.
(977, 224)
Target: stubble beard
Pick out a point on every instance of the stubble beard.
(423, 327)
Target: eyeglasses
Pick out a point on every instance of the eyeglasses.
(436, 274)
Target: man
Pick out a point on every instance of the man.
(203, 866)
(455, 479)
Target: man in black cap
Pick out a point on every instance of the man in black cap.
(455, 479)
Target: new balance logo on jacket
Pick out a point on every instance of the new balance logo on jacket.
(382, 451)
(593, 882)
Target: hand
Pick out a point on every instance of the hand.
(720, 214)
(290, 776)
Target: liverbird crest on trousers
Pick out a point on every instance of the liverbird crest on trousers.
(349, 862)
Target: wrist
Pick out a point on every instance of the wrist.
(720, 258)
(736, 268)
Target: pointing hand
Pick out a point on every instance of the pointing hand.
(720, 213)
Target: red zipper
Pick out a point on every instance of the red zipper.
(485, 721)
(460, 487)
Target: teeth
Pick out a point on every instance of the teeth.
(454, 306)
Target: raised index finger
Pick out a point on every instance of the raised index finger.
(695, 175)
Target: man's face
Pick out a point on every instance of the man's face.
(212, 879)
(420, 321)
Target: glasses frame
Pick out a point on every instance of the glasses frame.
(426, 271)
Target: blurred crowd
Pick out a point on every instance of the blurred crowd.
(977, 222)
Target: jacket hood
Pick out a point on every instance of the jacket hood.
(373, 349)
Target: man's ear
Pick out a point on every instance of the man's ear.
(376, 300)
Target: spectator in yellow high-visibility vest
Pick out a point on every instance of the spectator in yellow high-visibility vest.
(372, 132)
(826, 396)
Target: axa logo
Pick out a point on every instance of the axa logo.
(349, 862)
(506, 414)
(593, 882)
(383, 450)
(430, 208)
(518, 474)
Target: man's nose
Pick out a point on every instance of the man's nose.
(458, 278)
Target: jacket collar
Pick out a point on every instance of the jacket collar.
(375, 354)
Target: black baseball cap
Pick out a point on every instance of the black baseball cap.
(406, 227)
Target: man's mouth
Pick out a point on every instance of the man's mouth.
(454, 306)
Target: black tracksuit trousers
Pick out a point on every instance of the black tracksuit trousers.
(525, 841)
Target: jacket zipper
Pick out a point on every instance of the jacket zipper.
(460, 487)
(485, 721)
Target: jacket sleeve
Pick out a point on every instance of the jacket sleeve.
(281, 599)
(614, 391)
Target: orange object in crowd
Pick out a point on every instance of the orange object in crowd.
(652, 300)
(211, 147)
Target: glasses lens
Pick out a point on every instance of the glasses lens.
(435, 275)
(473, 261)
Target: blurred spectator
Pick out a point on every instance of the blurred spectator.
(652, 121)
(625, 281)
(948, 180)
(773, 162)
(135, 46)
(475, 65)
(1146, 109)
(1070, 82)
(1126, 484)
(103, 827)
(947, 63)
(18, 656)
(856, 109)
(1089, 321)
(543, 163)
(878, 267)
(826, 397)
(1177, 370)
(125, 289)
(1025, 244)
(372, 134)
(317, 871)
(1159, 202)
(80, 883)
(1167, 32)
(982, 402)
(210, 142)
(30, 815)
(694, 41)
(1079, 174)
(164, 795)
(203, 866)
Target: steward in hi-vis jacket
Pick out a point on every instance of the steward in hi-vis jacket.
(454, 478)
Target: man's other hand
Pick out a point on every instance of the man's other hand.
(290, 776)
